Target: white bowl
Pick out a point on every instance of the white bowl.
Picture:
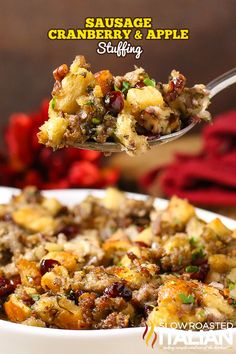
(21, 339)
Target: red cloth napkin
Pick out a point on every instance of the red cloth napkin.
(207, 178)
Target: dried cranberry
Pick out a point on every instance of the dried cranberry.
(70, 230)
(5, 286)
(15, 280)
(131, 256)
(140, 84)
(178, 83)
(118, 290)
(141, 244)
(114, 101)
(176, 86)
(7, 217)
(47, 265)
(74, 295)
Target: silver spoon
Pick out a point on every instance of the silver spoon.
(215, 86)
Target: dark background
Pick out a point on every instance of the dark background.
(27, 57)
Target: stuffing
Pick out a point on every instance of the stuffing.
(113, 262)
(128, 109)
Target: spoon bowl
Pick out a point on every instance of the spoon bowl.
(214, 87)
(110, 147)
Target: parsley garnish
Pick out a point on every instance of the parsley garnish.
(231, 286)
(35, 297)
(53, 102)
(192, 241)
(198, 253)
(149, 82)
(116, 88)
(192, 269)
(89, 103)
(201, 313)
(186, 299)
(96, 121)
(125, 86)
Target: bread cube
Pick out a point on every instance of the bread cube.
(141, 98)
(29, 273)
(52, 131)
(34, 218)
(126, 134)
(57, 281)
(16, 310)
(66, 259)
(113, 199)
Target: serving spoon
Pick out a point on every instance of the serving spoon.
(215, 86)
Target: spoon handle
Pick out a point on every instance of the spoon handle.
(222, 82)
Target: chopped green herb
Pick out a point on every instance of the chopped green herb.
(53, 102)
(192, 269)
(198, 253)
(116, 88)
(96, 121)
(231, 286)
(186, 299)
(125, 86)
(149, 82)
(201, 313)
(89, 103)
(192, 241)
(35, 297)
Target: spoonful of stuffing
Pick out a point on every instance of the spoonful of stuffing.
(130, 113)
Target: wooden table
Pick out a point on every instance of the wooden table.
(134, 167)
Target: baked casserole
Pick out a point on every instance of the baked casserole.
(113, 262)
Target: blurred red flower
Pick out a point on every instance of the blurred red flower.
(29, 163)
(83, 173)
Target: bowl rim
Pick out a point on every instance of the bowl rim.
(160, 202)
(104, 333)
